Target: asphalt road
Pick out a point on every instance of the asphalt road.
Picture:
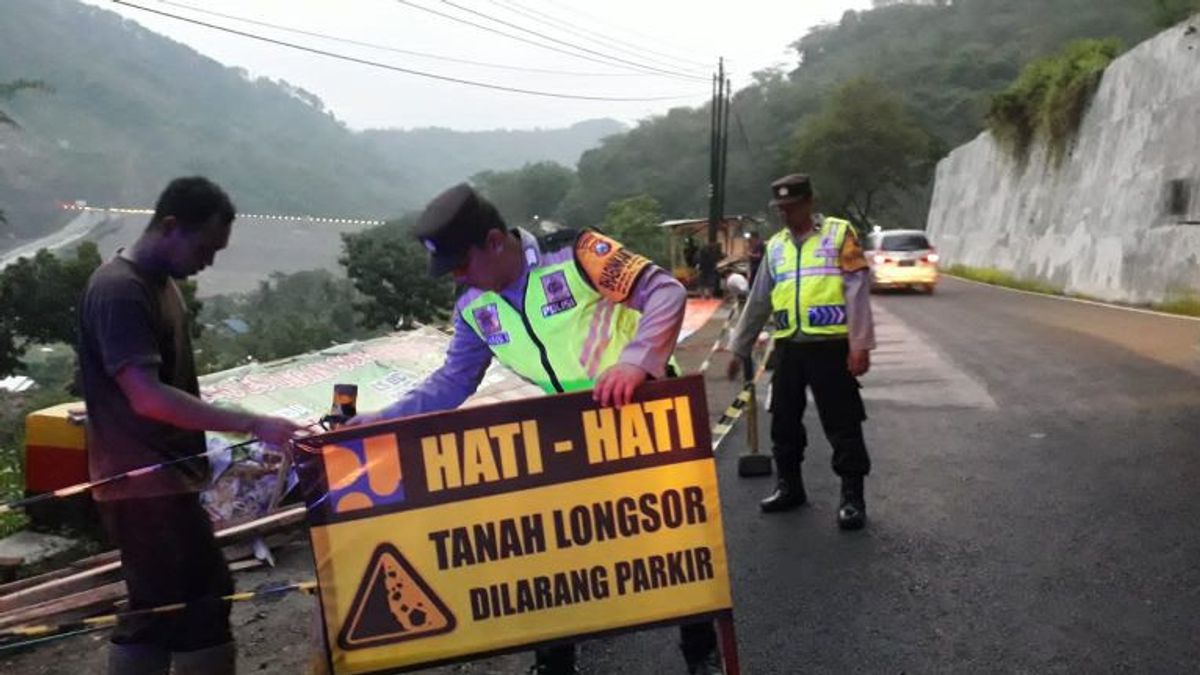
(1033, 509)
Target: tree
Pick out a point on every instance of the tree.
(1170, 12)
(528, 194)
(288, 314)
(7, 91)
(10, 89)
(390, 271)
(39, 301)
(864, 147)
(635, 223)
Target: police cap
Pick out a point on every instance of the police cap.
(791, 189)
(452, 223)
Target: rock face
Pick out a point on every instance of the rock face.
(1119, 217)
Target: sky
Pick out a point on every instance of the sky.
(615, 49)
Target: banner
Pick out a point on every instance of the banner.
(447, 537)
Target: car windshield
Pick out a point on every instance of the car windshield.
(905, 242)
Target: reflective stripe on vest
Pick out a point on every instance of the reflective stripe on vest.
(567, 335)
(809, 292)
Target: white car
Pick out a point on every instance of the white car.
(902, 259)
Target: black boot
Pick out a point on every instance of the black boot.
(852, 514)
(788, 494)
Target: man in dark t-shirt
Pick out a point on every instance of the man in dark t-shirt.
(139, 382)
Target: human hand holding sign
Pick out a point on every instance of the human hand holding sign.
(616, 385)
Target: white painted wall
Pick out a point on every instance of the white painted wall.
(1097, 223)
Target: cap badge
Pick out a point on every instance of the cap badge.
(783, 191)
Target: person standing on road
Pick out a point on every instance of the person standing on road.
(756, 250)
(142, 396)
(815, 286)
(538, 306)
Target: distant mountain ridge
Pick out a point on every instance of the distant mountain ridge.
(130, 109)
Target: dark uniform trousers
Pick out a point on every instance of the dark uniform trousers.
(821, 366)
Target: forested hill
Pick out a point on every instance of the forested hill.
(129, 108)
(940, 60)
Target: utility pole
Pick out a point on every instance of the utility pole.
(719, 121)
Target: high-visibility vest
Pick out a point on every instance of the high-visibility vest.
(567, 334)
(809, 293)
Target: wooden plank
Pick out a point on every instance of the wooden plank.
(85, 603)
(69, 569)
(79, 581)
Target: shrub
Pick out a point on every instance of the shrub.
(1050, 98)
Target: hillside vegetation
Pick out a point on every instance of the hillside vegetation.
(126, 108)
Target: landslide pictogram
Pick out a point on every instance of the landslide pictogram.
(393, 604)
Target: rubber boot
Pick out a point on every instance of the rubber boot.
(852, 514)
(218, 660)
(138, 659)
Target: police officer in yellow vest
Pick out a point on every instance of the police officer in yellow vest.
(570, 312)
(816, 289)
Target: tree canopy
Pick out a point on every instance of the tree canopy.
(864, 148)
(390, 271)
(39, 300)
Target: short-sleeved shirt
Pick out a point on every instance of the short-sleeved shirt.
(130, 317)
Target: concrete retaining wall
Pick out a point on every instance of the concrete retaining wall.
(1101, 221)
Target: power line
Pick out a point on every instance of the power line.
(608, 43)
(564, 42)
(388, 48)
(518, 38)
(594, 18)
(386, 66)
(595, 36)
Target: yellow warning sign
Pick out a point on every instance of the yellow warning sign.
(393, 604)
(446, 537)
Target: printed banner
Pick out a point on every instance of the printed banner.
(447, 537)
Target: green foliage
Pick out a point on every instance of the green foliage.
(943, 60)
(635, 223)
(1187, 304)
(39, 300)
(288, 315)
(10, 89)
(1050, 98)
(390, 270)
(989, 275)
(132, 108)
(863, 146)
(1170, 12)
(527, 195)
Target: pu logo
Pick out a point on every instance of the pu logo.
(363, 473)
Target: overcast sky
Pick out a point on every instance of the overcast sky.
(683, 37)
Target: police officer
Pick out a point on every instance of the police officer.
(570, 312)
(816, 288)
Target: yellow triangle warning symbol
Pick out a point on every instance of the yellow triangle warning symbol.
(393, 604)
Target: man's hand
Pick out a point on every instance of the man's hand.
(617, 384)
(275, 431)
(859, 362)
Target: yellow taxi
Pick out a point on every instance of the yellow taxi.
(902, 259)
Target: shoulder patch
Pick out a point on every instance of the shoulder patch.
(612, 268)
(852, 257)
